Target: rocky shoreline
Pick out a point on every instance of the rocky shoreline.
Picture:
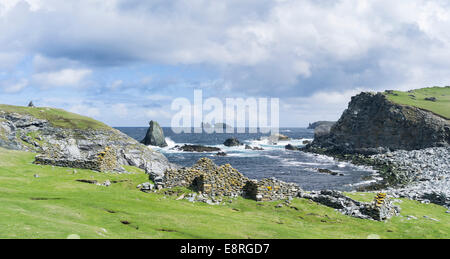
(422, 175)
(426, 172)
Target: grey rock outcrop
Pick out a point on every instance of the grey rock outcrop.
(316, 124)
(196, 148)
(372, 124)
(232, 142)
(380, 209)
(154, 136)
(77, 147)
(291, 147)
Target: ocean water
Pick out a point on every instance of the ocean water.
(273, 161)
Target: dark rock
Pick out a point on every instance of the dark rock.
(146, 187)
(291, 147)
(198, 148)
(327, 171)
(232, 142)
(30, 104)
(372, 124)
(431, 99)
(253, 148)
(221, 154)
(154, 136)
(306, 142)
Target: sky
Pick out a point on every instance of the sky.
(123, 62)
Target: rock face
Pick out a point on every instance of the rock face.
(100, 150)
(316, 124)
(373, 124)
(232, 142)
(154, 136)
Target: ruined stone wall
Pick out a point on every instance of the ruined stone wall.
(270, 190)
(104, 161)
(213, 180)
(207, 178)
(82, 164)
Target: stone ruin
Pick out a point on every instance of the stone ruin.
(270, 190)
(103, 161)
(208, 178)
(213, 180)
(381, 208)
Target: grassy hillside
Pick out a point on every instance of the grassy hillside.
(417, 97)
(55, 205)
(57, 117)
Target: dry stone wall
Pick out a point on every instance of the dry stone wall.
(104, 161)
(270, 189)
(213, 180)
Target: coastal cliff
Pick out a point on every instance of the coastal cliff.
(374, 124)
(66, 139)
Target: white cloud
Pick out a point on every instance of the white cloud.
(289, 48)
(85, 110)
(116, 84)
(120, 110)
(14, 87)
(64, 77)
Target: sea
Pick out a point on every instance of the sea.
(274, 161)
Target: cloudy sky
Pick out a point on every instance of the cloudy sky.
(124, 61)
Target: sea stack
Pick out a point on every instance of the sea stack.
(155, 136)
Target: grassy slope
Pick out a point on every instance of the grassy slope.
(440, 107)
(57, 117)
(82, 209)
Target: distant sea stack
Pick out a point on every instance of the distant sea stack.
(155, 136)
(373, 124)
(316, 124)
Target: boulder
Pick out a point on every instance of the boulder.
(154, 136)
(291, 147)
(431, 99)
(253, 148)
(197, 148)
(232, 142)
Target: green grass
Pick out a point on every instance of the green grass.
(55, 205)
(441, 107)
(57, 117)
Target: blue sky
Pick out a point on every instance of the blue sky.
(124, 61)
